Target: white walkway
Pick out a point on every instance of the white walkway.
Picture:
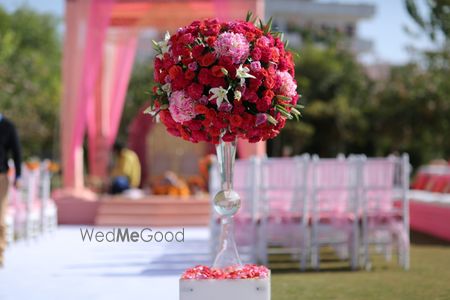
(61, 266)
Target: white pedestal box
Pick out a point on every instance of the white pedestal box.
(225, 289)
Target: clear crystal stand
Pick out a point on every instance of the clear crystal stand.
(226, 203)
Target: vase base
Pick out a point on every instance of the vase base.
(225, 289)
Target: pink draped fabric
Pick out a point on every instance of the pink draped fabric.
(87, 22)
(105, 112)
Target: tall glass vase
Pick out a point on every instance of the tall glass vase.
(226, 203)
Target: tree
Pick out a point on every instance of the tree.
(30, 84)
(437, 20)
(335, 90)
(411, 113)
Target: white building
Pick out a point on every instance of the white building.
(315, 14)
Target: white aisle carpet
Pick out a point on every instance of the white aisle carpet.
(60, 265)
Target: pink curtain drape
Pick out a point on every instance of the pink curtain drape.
(104, 114)
(87, 22)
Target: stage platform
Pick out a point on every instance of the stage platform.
(151, 210)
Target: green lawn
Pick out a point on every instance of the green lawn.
(428, 279)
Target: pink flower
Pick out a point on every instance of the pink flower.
(255, 66)
(181, 107)
(288, 86)
(193, 66)
(261, 119)
(234, 45)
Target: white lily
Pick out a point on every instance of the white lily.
(242, 73)
(164, 45)
(237, 95)
(220, 94)
(167, 88)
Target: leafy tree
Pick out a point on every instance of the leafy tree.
(30, 83)
(335, 90)
(411, 112)
(437, 20)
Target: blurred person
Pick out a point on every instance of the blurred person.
(126, 172)
(9, 144)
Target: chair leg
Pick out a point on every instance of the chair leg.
(305, 248)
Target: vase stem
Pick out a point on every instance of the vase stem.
(226, 152)
(227, 203)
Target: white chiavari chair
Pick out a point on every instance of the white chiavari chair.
(334, 207)
(384, 224)
(284, 214)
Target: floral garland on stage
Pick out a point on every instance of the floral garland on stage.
(224, 80)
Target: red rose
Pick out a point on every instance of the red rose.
(235, 120)
(204, 76)
(189, 75)
(254, 84)
(174, 71)
(186, 38)
(173, 131)
(269, 94)
(269, 82)
(179, 83)
(256, 54)
(262, 105)
(214, 131)
(228, 137)
(197, 51)
(166, 118)
(250, 36)
(201, 109)
(195, 90)
(238, 108)
(211, 40)
(186, 61)
(193, 124)
(217, 81)
(199, 136)
(211, 114)
(274, 54)
(250, 96)
(265, 54)
(207, 59)
(217, 71)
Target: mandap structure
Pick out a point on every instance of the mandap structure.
(99, 51)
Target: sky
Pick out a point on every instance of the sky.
(385, 29)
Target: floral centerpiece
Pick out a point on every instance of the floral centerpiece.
(224, 79)
(216, 82)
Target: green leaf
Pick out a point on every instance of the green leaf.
(156, 46)
(284, 98)
(268, 26)
(271, 119)
(249, 16)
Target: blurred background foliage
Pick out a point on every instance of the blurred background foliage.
(347, 111)
(30, 77)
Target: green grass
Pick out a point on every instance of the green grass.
(428, 278)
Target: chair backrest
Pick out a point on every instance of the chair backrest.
(284, 184)
(378, 183)
(334, 185)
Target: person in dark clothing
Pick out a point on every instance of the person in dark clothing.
(9, 145)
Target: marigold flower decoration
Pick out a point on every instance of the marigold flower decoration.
(224, 80)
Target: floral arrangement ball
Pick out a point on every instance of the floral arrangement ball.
(223, 80)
